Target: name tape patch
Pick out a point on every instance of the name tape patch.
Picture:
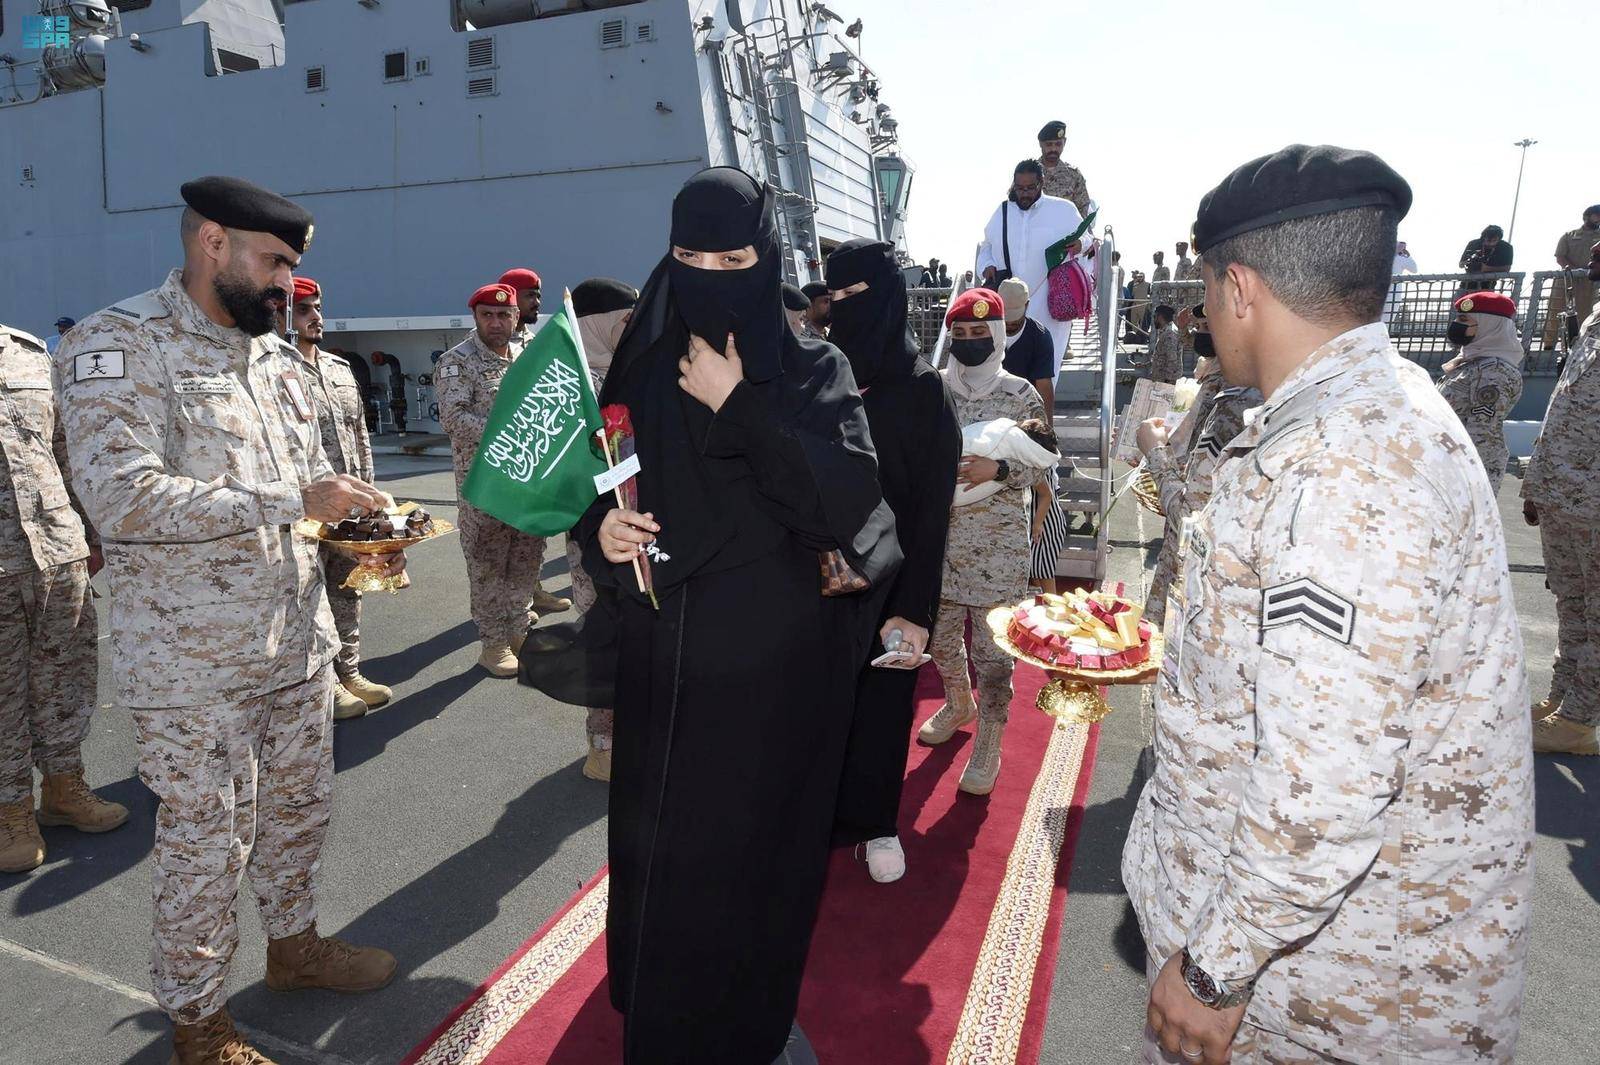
(605, 482)
(98, 366)
(203, 386)
(1308, 603)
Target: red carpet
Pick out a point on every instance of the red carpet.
(951, 964)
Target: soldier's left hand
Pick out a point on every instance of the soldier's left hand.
(97, 560)
(708, 374)
(1151, 435)
(976, 470)
(1184, 1025)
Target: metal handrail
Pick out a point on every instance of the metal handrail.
(1106, 310)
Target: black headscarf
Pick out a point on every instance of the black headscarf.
(712, 509)
(870, 327)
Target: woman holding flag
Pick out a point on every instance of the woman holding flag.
(758, 491)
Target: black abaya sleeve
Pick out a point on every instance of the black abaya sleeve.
(812, 462)
(925, 529)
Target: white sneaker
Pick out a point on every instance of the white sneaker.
(886, 859)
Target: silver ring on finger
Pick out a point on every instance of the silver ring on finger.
(1192, 1055)
(355, 512)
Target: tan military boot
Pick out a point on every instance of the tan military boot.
(544, 603)
(983, 768)
(1549, 706)
(369, 692)
(310, 960)
(598, 765)
(498, 659)
(21, 846)
(345, 705)
(944, 723)
(1560, 735)
(66, 800)
(214, 1041)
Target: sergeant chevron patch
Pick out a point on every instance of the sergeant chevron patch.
(1312, 605)
(1485, 411)
(1209, 444)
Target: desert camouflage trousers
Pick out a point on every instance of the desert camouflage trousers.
(597, 725)
(49, 675)
(346, 606)
(948, 646)
(246, 789)
(502, 574)
(1572, 569)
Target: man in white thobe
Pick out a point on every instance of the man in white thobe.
(1394, 302)
(1016, 238)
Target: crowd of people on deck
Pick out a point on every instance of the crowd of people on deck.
(1342, 770)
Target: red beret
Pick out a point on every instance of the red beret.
(976, 305)
(521, 279)
(305, 289)
(1487, 303)
(494, 296)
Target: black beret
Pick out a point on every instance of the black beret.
(1299, 181)
(601, 295)
(1053, 131)
(815, 289)
(793, 298)
(239, 204)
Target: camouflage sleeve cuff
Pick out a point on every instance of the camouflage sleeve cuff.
(1220, 944)
(1161, 462)
(281, 503)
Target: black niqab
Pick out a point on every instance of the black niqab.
(870, 327)
(714, 512)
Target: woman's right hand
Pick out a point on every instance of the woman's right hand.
(624, 533)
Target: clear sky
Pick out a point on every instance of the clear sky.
(1162, 99)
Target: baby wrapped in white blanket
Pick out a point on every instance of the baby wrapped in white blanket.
(1003, 438)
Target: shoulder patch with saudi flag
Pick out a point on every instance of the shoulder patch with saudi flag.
(536, 466)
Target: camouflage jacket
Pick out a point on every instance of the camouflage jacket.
(41, 521)
(1185, 270)
(1067, 182)
(1482, 393)
(189, 445)
(1183, 477)
(1166, 355)
(1564, 472)
(1342, 799)
(466, 380)
(341, 413)
(987, 553)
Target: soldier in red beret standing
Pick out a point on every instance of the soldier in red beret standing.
(526, 284)
(1484, 381)
(502, 562)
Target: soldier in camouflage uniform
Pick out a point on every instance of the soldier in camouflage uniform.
(1184, 467)
(1185, 270)
(48, 661)
(1561, 495)
(342, 426)
(530, 292)
(502, 562)
(195, 449)
(1166, 350)
(1061, 179)
(1484, 381)
(1332, 859)
(988, 552)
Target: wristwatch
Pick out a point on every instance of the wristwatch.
(1002, 470)
(1211, 992)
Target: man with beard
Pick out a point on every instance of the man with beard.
(1016, 239)
(529, 288)
(342, 425)
(1060, 179)
(503, 563)
(194, 448)
(913, 424)
(817, 317)
(1561, 495)
(603, 307)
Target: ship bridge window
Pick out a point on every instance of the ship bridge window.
(468, 15)
(235, 62)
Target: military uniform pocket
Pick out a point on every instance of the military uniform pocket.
(215, 414)
(187, 766)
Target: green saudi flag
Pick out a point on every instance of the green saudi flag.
(536, 465)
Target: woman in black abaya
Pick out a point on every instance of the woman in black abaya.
(918, 438)
(733, 699)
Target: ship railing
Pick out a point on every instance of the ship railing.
(1419, 307)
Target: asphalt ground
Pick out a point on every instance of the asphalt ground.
(462, 822)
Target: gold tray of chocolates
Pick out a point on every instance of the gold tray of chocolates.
(395, 529)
